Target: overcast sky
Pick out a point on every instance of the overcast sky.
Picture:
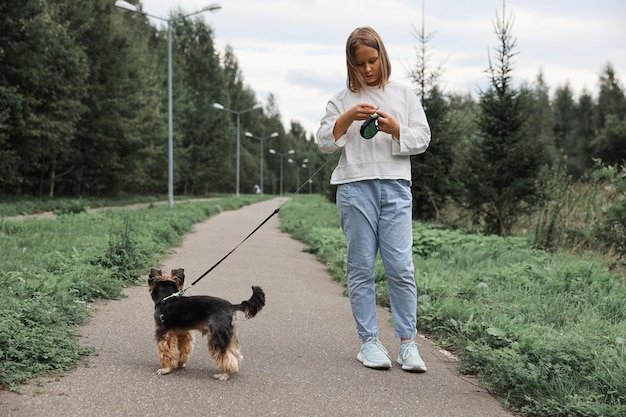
(294, 49)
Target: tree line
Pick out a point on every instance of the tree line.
(83, 112)
(517, 149)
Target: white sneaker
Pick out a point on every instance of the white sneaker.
(410, 358)
(374, 355)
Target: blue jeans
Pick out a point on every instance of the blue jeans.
(376, 217)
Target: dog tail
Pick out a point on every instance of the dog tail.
(252, 306)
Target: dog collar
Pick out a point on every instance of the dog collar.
(176, 294)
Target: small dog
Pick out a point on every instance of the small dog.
(176, 317)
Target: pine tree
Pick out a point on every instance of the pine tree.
(505, 160)
(585, 128)
(566, 139)
(432, 176)
(609, 144)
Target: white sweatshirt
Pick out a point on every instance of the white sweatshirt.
(381, 157)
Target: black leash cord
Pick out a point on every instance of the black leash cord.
(232, 250)
(180, 293)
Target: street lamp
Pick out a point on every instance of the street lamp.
(310, 180)
(250, 135)
(290, 152)
(170, 117)
(238, 113)
(303, 165)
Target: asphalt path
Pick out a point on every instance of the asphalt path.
(299, 351)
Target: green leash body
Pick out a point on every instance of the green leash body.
(369, 128)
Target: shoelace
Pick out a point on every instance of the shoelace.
(410, 350)
(370, 345)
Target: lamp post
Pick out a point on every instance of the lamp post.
(306, 165)
(290, 152)
(303, 164)
(238, 114)
(170, 117)
(250, 135)
(297, 165)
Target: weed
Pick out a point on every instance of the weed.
(123, 255)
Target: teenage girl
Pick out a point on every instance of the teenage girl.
(374, 192)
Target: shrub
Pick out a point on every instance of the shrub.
(612, 229)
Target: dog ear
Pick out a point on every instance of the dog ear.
(154, 272)
(179, 274)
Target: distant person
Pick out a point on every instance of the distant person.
(374, 192)
(256, 189)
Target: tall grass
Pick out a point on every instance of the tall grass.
(545, 331)
(50, 270)
(582, 215)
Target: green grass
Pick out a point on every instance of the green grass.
(545, 331)
(14, 206)
(52, 269)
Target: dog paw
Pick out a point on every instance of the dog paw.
(164, 371)
(221, 377)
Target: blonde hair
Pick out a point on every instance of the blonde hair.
(365, 36)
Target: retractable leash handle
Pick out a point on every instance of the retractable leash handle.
(369, 128)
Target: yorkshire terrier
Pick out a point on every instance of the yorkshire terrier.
(177, 316)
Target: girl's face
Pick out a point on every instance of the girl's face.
(368, 64)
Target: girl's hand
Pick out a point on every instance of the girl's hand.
(361, 111)
(388, 124)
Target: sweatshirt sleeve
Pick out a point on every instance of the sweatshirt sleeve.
(415, 135)
(325, 138)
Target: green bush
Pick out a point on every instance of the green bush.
(612, 228)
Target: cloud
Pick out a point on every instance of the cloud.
(295, 48)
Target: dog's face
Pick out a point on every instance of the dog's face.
(156, 276)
